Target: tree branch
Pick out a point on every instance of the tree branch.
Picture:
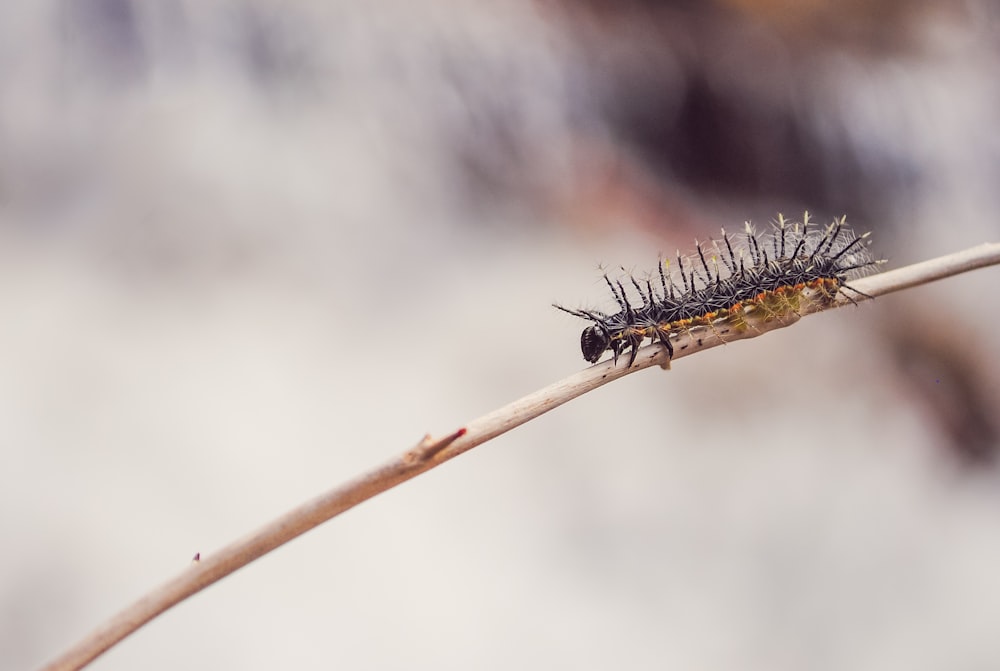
(429, 452)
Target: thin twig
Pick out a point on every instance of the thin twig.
(430, 453)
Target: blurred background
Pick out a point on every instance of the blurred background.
(250, 249)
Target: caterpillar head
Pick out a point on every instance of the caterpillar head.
(593, 342)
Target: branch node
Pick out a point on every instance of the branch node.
(428, 448)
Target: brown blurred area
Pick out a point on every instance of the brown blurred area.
(752, 102)
(248, 249)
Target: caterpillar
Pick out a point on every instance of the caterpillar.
(726, 280)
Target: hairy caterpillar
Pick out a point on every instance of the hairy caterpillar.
(725, 280)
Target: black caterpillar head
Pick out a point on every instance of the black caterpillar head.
(594, 342)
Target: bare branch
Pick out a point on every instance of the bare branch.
(430, 453)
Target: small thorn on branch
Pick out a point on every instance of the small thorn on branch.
(428, 448)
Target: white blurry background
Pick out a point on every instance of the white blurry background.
(250, 249)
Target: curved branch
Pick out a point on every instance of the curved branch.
(429, 452)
